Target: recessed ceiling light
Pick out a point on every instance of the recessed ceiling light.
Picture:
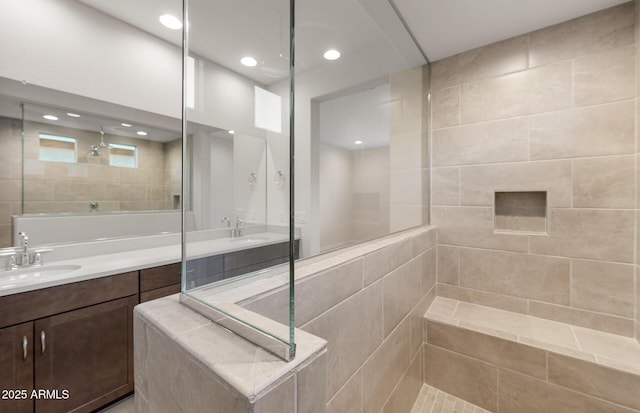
(126, 125)
(50, 117)
(73, 115)
(358, 142)
(231, 132)
(332, 54)
(248, 61)
(171, 22)
(142, 133)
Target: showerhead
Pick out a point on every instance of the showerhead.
(95, 150)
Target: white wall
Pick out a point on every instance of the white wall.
(249, 156)
(67, 46)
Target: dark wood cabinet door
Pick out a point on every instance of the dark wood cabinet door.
(87, 353)
(16, 368)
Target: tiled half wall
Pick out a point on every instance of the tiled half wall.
(550, 111)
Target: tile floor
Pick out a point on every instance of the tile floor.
(432, 400)
(123, 406)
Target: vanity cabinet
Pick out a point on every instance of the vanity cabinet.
(16, 368)
(80, 340)
(159, 282)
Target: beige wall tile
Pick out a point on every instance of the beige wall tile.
(503, 353)
(448, 264)
(499, 58)
(487, 142)
(382, 372)
(349, 398)
(401, 292)
(603, 382)
(322, 291)
(473, 227)
(589, 319)
(605, 77)
(353, 330)
(543, 89)
(420, 243)
(585, 233)
(38, 191)
(407, 390)
(311, 386)
(417, 322)
(280, 399)
(603, 286)
(445, 186)
(604, 182)
(428, 269)
(445, 107)
(593, 33)
(591, 131)
(470, 379)
(479, 183)
(504, 302)
(382, 262)
(521, 393)
(521, 275)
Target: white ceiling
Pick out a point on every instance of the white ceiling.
(444, 28)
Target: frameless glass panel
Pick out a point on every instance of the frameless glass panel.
(236, 238)
(361, 153)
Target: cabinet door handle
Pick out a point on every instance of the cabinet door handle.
(25, 347)
(43, 341)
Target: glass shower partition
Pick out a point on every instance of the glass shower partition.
(237, 238)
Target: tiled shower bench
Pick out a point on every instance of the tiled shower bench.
(507, 362)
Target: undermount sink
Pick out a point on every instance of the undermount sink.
(14, 278)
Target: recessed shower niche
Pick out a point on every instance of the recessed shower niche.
(521, 212)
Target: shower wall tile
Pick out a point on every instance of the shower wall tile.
(584, 318)
(543, 89)
(604, 182)
(470, 379)
(349, 397)
(500, 58)
(609, 384)
(445, 107)
(401, 292)
(408, 388)
(605, 77)
(359, 334)
(448, 264)
(520, 275)
(478, 184)
(494, 350)
(522, 393)
(426, 264)
(588, 233)
(473, 227)
(603, 286)
(445, 186)
(385, 260)
(488, 142)
(597, 32)
(591, 131)
(382, 372)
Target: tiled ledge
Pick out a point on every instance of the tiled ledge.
(618, 352)
(507, 362)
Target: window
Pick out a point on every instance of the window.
(123, 155)
(57, 148)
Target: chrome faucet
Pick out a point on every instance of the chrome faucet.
(24, 243)
(237, 231)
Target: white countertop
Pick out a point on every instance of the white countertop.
(95, 266)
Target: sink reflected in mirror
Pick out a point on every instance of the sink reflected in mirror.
(15, 278)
